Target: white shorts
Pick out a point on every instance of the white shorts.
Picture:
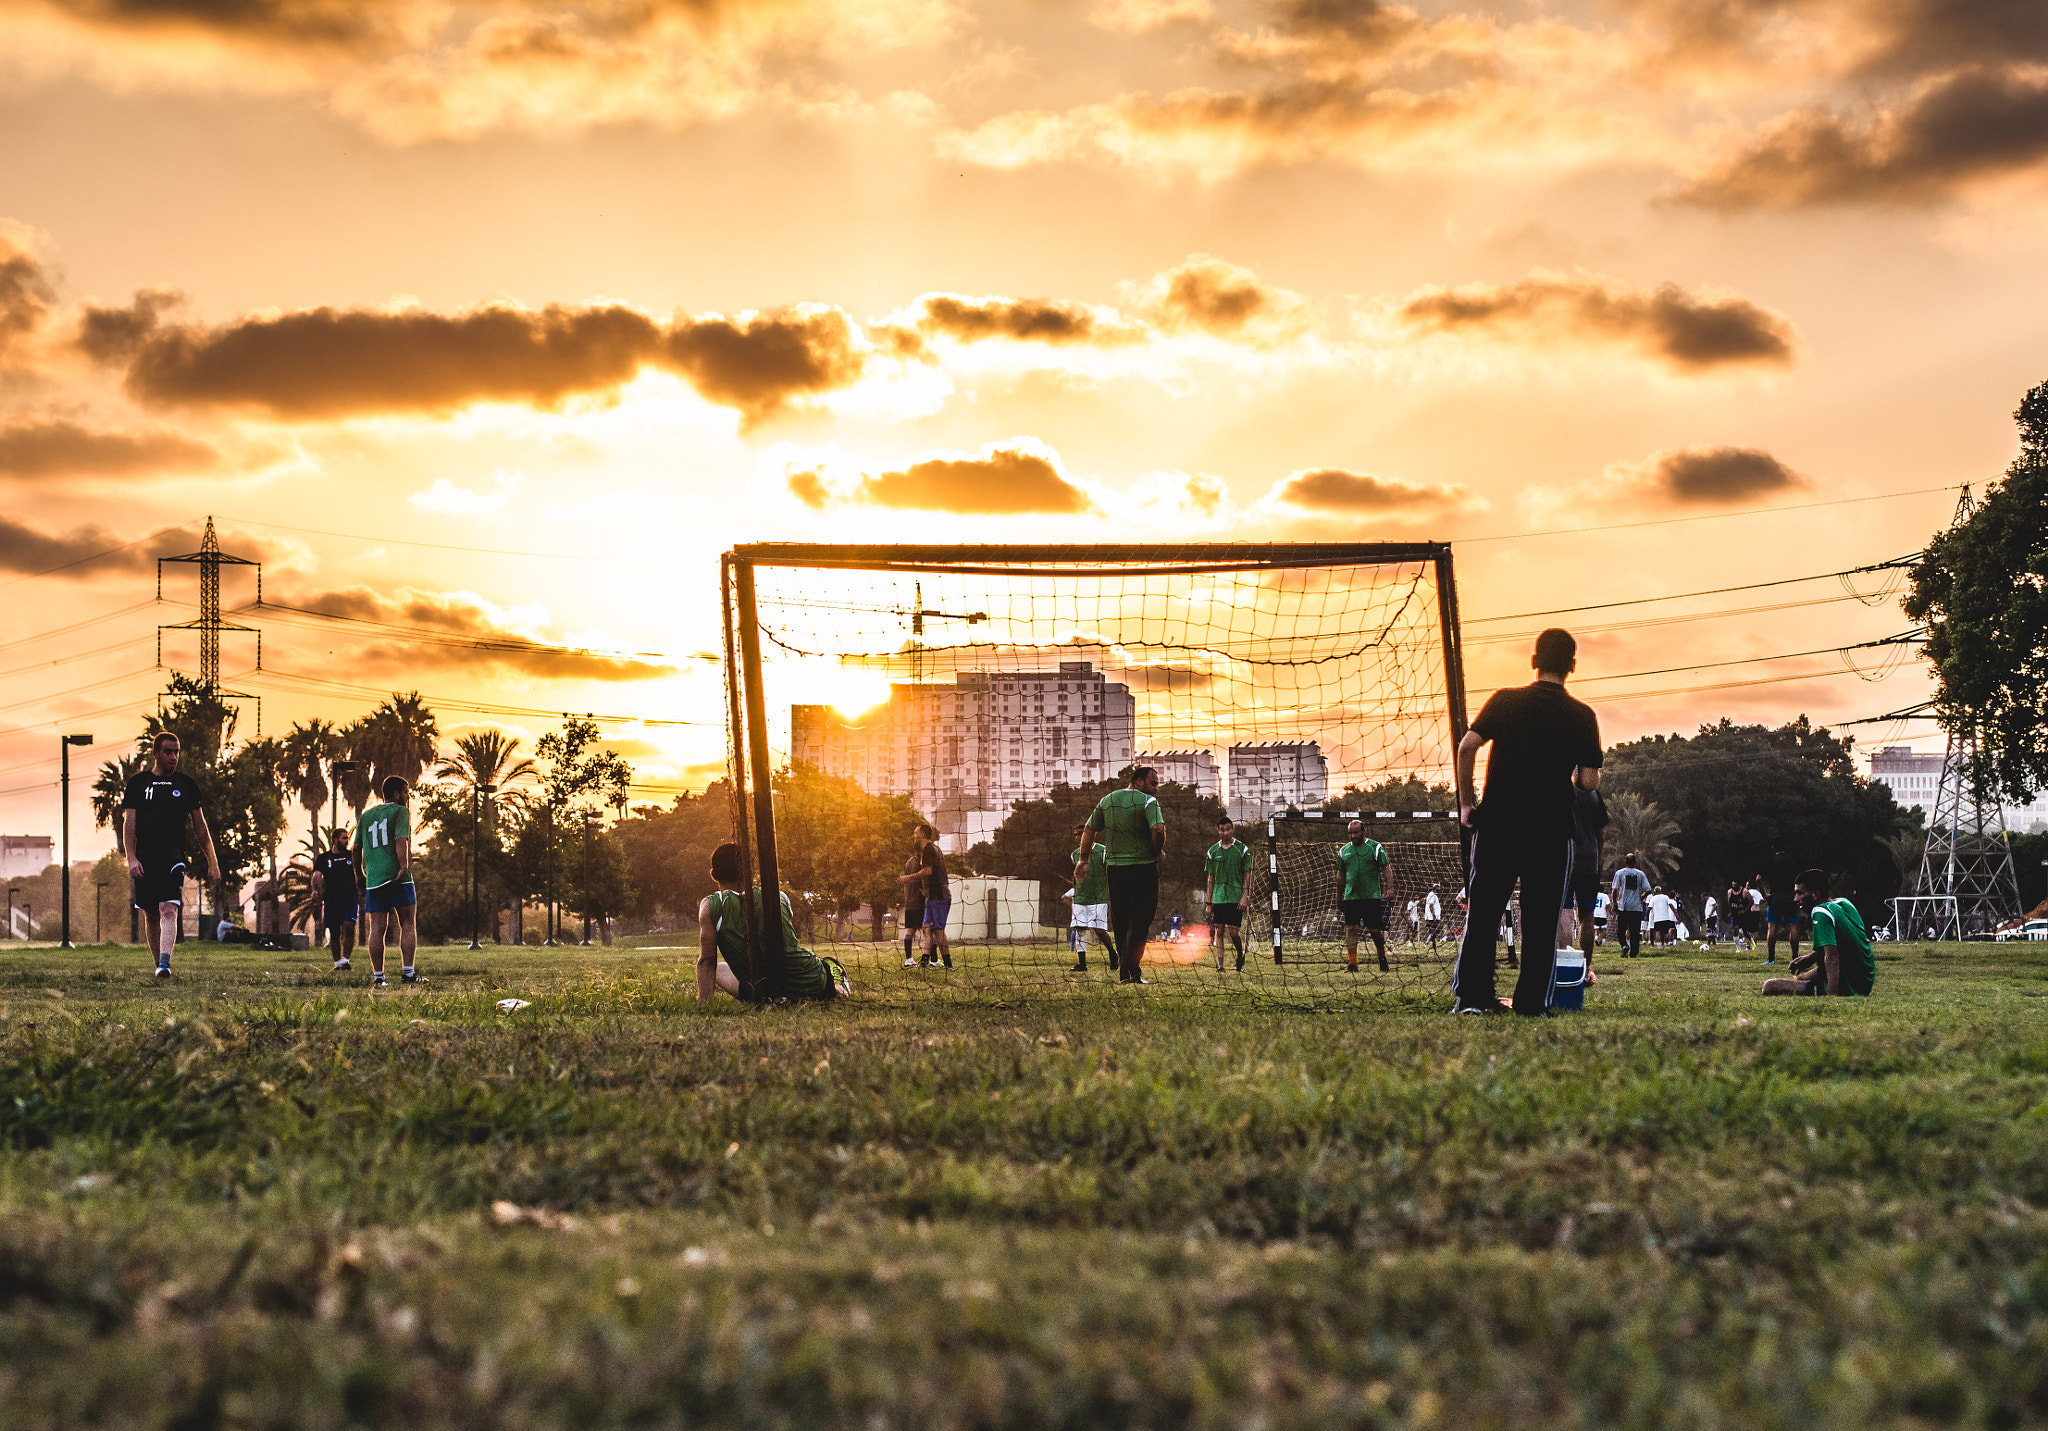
(1092, 916)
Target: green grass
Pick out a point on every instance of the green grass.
(260, 1195)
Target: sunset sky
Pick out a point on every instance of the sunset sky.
(502, 321)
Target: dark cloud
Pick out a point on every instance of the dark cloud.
(454, 631)
(112, 335)
(1332, 489)
(1026, 320)
(1690, 332)
(1217, 297)
(1871, 37)
(758, 365)
(91, 550)
(36, 447)
(319, 24)
(1975, 123)
(1004, 482)
(1362, 26)
(330, 363)
(1710, 476)
(25, 298)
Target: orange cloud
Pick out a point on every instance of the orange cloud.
(26, 297)
(1001, 481)
(1331, 489)
(53, 447)
(1689, 332)
(1705, 476)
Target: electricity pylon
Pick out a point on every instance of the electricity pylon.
(210, 559)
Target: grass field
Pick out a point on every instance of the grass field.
(260, 1196)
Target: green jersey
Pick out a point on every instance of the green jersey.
(804, 975)
(377, 836)
(1125, 819)
(1093, 887)
(1361, 864)
(1226, 867)
(1837, 925)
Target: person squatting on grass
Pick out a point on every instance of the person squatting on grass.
(158, 807)
(383, 850)
(1224, 868)
(1522, 829)
(1133, 830)
(1362, 866)
(724, 962)
(1841, 956)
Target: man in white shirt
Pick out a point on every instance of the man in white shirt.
(1663, 918)
(1710, 920)
(1414, 921)
(1601, 905)
(1433, 917)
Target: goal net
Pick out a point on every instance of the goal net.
(997, 693)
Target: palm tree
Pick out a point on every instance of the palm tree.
(400, 737)
(358, 744)
(1909, 851)
(1639, 825)
(309, 748)
(489, 757)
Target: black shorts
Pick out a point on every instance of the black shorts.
(1227, 914)
(1585, 890)
(1364, 913)
(913, 917)
(159, 884)
(338, 912)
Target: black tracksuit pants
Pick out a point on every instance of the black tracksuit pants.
(1631, 937)
(1133, 900)
(1542, 864)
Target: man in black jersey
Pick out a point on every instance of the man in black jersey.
(157, 809)
(334, 886)
(1523, 828)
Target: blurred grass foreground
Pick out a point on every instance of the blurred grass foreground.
(262, 1196)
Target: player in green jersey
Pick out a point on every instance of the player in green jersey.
(1090, 898)
(1841, 958)
(724, 963)
(383, 849)
(1361, 866)
(1226, 864)
(1133, 832)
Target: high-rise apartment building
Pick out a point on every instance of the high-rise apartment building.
(963, 752)
(1914, 779)
(1276, 775)
(1193, 768)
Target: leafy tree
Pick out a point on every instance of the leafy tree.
(1406, 795)
(2028, 852)
(670, 851)
(310, 749)
(452, 820)
(109, 789)
(1636, 826)
(580, 776)
(836, 846)
(1981, 590)
(600, 876)
(1737, 791)
(1038, 837)
(398, 738)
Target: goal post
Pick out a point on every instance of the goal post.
(996, 691)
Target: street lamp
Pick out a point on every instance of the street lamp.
(337, 769)
(590, 821)
(10, 911)
(476, 830)
(99, 889)
(64, 779)
(551, 920)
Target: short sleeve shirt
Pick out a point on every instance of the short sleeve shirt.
(337, 875)
(934, 862)
(1838, 925)
(1092, 887)
(913, 893)
(163, 804)
(1225, 867)
(1631, 885)
(1361, 863)
(378, 834)
(1539, 734)
(1125, 820)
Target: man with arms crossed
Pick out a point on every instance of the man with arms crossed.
(1226, 865)
(1361, 866)
(1090, 899)
(157, 808)
(334, 886)
(1133, 831)
(1523, 827)
(383, 849)
(1842, 960)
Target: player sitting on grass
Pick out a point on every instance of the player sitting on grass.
(383, 850)
(724, 962)
(1227, 862)
(1841, 954)
(158, 807)
(1361, 866)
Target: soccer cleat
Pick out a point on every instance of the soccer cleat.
(1079, 968)
(1352, 966)
(911, 962)
(1240, 963)
(949, 961)
(412, 977)
(341, 966)
(377, 981)
(1140, 979)
(163, 971)
(1385, 967)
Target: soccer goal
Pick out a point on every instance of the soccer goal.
(997, 692)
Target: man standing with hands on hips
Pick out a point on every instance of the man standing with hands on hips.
(1522, 830)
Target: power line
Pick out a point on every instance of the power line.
(1712, 516)
(426, 636)
(1711, 591)
(74, 626)
(1678, 619)
(477, 707)
(1899, 640)
(431, 546)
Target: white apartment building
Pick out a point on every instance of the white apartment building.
(1915, 779)
(25, 856)
(963, 752)
(1274, 775)
(1194, 768)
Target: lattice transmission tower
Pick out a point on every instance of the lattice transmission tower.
(210, 559)
(1968, 864)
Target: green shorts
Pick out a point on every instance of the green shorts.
(804, 976)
